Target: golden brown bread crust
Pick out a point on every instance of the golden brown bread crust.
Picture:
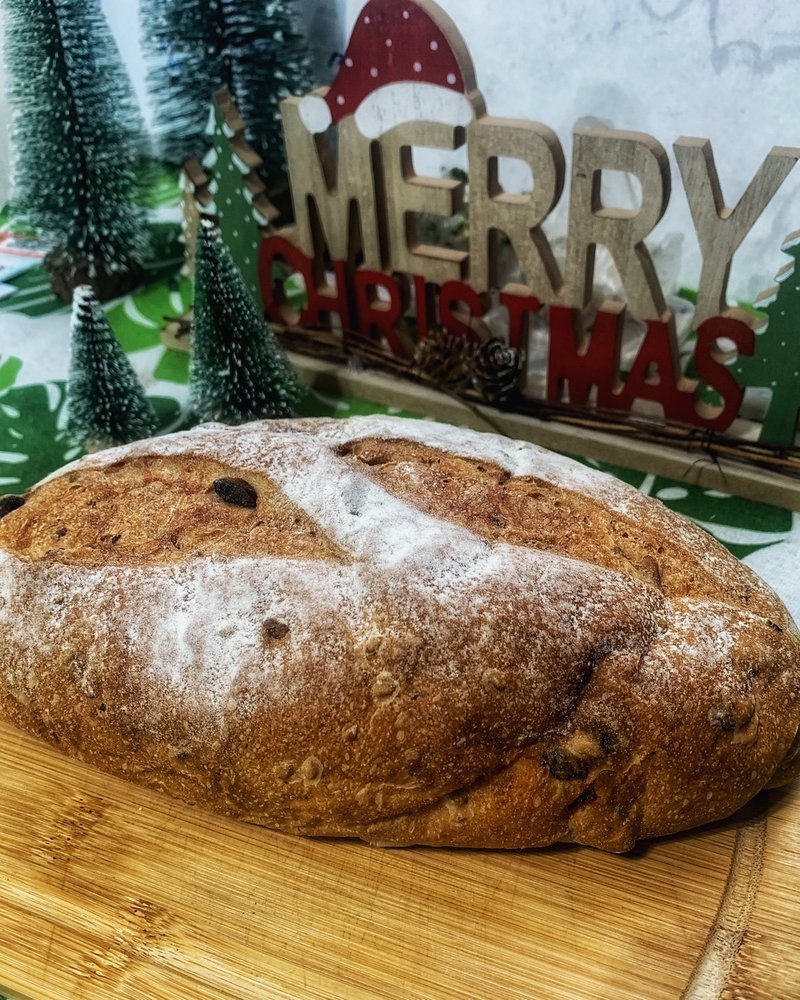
(415, 635)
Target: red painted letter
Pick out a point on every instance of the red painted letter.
(656, 375)
(520, 304)
(380, 316)
(709, 363)
(579, 360)
(451, 293)
(321, 297)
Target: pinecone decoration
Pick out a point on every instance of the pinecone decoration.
(495, 371)
(444, 359)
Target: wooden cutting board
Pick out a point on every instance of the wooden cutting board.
(107, 890)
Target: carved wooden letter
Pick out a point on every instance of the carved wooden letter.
(326, 186)
(622, 231)
(579, 359)
(492, 211)
(408, 194)
(720, 230)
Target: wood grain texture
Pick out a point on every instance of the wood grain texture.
(495, 212)
(111, 890)
(621, 231)
(408, 194)
(721, 229)
(329, 185)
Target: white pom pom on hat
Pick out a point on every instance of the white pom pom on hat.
(315, 113)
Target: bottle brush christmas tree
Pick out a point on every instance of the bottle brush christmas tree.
(76, 138)
(195, 47)
(237, 371)
(106, 404)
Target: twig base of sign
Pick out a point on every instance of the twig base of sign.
(707, 471)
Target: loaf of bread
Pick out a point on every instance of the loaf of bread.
(394, 630)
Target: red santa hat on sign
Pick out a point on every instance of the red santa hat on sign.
(405, 61)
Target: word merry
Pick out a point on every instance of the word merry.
(356, 242)
(363, 201)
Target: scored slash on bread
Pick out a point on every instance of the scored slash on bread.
(394, 630)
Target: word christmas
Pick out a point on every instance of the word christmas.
(407, 81)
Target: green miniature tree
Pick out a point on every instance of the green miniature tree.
(237, 371)
(106, 404)
(194, 47)
(76, 139)
(776, 362)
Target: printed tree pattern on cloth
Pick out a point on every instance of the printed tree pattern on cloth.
(106, 404)
(237, 371)
(77, 134)
(194, 47)
(776, 362)
(238, 202)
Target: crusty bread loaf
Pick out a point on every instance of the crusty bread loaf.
(394, 630)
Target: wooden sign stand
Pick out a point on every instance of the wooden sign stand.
(361, 246)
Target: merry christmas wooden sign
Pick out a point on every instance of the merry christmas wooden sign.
(361, 244)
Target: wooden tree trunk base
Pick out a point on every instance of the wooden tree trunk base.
(66, 274)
